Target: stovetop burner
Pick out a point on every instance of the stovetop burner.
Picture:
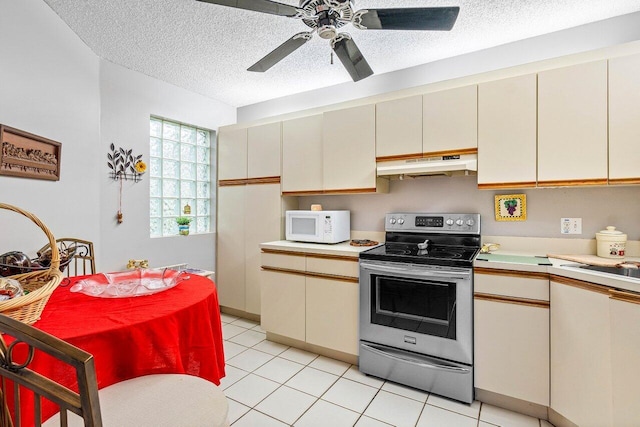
(435, 239)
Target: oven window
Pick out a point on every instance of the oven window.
(427, 307)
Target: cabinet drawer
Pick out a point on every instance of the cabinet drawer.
(333, 266)
(283, 261)
(517, 284)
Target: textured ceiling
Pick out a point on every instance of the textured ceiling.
(207, 48)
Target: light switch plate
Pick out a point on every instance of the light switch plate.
(571, 225)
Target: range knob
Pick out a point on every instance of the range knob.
(459, 222)
(449, 221)
(392, 220)
(401, 221)
(470, 222)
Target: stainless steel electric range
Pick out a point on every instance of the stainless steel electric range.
(416, 303)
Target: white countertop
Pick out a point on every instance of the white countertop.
(340, 249)
(565, 268)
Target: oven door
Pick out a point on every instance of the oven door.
(419, 308)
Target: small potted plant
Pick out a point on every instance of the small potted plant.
(183, 225)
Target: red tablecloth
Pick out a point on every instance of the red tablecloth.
(174, 331)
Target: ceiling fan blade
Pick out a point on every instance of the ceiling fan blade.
(411, 18)
(264, 6)
(279, 53)
(351, 57)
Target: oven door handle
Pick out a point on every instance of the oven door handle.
(420, 273)
(452, 369)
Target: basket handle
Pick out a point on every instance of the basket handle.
(55, 254)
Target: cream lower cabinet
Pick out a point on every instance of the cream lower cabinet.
(624, 310)
(248, 215)
(311, 298)
(332, 314)
(581, 387)
(283, 304)
(230, 264)
(511, 328)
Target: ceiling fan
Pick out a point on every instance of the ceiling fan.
(326, 16)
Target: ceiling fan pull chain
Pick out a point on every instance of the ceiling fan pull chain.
(331, 57)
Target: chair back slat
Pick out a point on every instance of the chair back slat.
(40, 386)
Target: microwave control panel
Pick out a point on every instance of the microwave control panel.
(328, 225)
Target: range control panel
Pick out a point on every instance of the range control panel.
(429, 222)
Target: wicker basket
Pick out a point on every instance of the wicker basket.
(39, 284)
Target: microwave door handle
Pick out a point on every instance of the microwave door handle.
(422, 364)
(421, 273)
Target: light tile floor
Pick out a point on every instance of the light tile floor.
(270, 384)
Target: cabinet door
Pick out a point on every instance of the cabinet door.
(572, 125)
(263, 151)
(624, 309)
(349, 149)
(450, 121)
(283, 304)
(581, 353)
(302, 154)
(507, 141)
(511, 354)
(230, 258)
(399, 128)
(262, 224)
(624, 126)
(232, 154)
(332, 314)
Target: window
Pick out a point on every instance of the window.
(180, 158)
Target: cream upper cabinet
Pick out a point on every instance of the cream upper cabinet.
(230, 254)
(349, 149)
(624, 126)
(232, 154)
(263, 151)
(581, 352)
(450, 121)
(399, 128)
(507, 139)
(624, 309)
(572, 125)
(511, 311)
(302, 154)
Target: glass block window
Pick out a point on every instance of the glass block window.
(181, 167)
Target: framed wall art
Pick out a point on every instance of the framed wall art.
(511, 207)
(29, 156)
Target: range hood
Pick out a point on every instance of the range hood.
(466, 164)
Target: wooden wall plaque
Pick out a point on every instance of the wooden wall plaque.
(29, 156)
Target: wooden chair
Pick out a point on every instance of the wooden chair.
(83, 259)
(152, 400)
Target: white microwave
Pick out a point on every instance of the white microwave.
(318, 226)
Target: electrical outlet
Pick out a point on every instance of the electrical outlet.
(571, 225)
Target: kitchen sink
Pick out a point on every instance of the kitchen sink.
(620, 271)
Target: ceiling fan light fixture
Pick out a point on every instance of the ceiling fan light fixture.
(327, 32)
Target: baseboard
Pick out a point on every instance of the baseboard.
(240, 313)
(512, 404)
(334, 354)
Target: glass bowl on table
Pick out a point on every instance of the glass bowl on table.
(133, 283)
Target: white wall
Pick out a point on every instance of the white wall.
(49, 87)
(128, 100)
(598, 207)
(52, 85)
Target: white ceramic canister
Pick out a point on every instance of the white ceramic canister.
(611, 243)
